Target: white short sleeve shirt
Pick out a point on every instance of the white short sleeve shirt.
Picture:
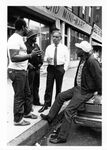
(16, 42)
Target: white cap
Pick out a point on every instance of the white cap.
(85, 46)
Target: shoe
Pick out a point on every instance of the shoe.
(38, 104)
(46, 117)
(43, 108)
(53, 136)
(22, 123)
(31, 116)
(57, 140)
(54, 133)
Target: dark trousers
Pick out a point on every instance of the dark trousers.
(34, 83)
(53, 74)
(76, 99)
(22, 94)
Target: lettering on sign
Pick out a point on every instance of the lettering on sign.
(79, 22)
(71, 18)
(53, 9)
(97, 31)
(68, 16)
(63, 14)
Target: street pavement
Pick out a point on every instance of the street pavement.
(14, 131)
(78, 136)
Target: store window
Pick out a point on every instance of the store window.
(66, 34)
(90, 14)
(89, 11)
(73, 54)
(43, 39)
(76, 37)
(83, 12)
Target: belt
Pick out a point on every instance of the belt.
(56, 65)
(16, 69)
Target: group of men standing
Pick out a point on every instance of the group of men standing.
(25, 60)
(24, 71)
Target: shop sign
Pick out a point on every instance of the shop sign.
(63, 14)
(97, 33)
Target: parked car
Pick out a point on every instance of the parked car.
(90, 113)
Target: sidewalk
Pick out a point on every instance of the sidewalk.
(17, 135)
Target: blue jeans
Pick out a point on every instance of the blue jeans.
(22, 94)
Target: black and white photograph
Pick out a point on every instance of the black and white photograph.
(53, 75)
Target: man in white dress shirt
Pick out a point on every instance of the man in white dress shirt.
(57, 56)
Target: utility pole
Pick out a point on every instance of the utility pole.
(90, 40)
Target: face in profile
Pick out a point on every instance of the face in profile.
(25, 31)
(33, 38)
(80, 52)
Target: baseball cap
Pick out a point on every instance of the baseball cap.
(31, 33)
(85, 46)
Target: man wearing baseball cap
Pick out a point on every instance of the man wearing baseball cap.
(87, 82)
(34, 66)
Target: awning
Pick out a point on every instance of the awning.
(96, 43)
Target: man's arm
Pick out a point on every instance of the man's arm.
(96, 72)
(15, 57)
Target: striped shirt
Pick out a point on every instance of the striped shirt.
(79, 73)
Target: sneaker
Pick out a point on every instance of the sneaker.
(31, 116)
(22, 123)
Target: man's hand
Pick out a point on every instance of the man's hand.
(97, 99)
(49, 60)
(36, 52)
(30, 66)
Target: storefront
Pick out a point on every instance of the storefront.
(45, 18)
(76, 37)
(72, 27)
(96, 36)
(35, 19)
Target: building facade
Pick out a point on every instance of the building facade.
(75, 23)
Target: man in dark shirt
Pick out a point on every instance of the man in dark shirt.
(97, 52)
(34, 66)
(87, 82)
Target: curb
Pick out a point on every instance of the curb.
(34, 133)
(31, 135)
